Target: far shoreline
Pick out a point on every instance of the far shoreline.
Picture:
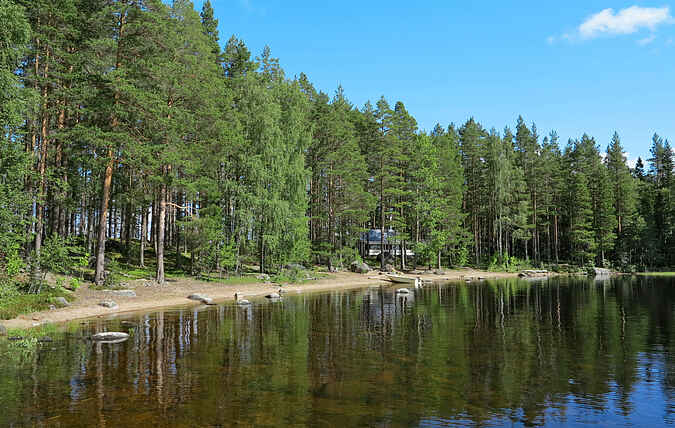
(175, 293)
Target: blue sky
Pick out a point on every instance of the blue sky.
(588, 66)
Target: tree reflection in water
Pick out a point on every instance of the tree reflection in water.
(493, 353)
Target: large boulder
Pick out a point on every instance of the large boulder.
(359, 267)
(294, 266)
(61, 301)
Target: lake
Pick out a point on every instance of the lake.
(495, 353)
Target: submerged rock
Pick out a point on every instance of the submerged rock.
(239, 301)
(109, 336)
(109, 304)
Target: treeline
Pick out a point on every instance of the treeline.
(127, 120)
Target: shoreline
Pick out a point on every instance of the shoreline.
(175, 292)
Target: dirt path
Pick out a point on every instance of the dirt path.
(150, 296)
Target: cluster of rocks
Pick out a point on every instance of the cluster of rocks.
(533, 273)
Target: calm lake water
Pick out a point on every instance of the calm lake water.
(559, 352)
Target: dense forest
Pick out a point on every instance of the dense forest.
(129, 121)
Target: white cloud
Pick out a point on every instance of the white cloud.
(646, 40)
(629, 160)
(626, 21)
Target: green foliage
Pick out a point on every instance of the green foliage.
(16, 304)
(249, 164)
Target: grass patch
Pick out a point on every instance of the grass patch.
(13, 306)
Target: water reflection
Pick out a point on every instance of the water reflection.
(567, 351)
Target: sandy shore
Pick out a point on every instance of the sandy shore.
(150, 296)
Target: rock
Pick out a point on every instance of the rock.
(602, 272)
(529, 273)
(124, 293)
(45, 339)
(273, 296)
(15, 338)
(52, 307)
(402, 291)
(439, 272)
(61, 301)
(109, 304)
(3, 330)
(359, 267)
(243, 302)
(263, 277)
(294, 266)
(110, 335)
(389, 268)
(201, 298)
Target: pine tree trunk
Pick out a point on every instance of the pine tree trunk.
(160, 234)
(144, 234)
(44, 142)
(100, 252)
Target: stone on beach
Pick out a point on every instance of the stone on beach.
(201, 298)
(108, 304)
(124, 293)
(61, 301)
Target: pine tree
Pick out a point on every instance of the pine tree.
(624, 201)
(14, 166)
(579, 208)
(472, 137)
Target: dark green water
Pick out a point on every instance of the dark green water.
(559, 352)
